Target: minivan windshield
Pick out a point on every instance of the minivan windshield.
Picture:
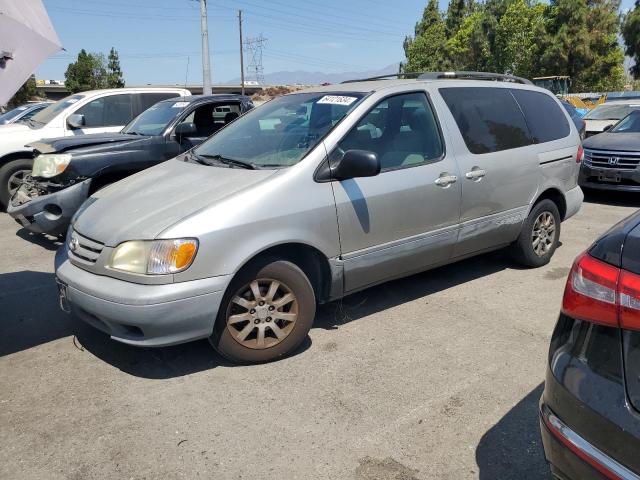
(45, 116)
(154, 120)
(281, 132)
(611, 112)
(629, 124)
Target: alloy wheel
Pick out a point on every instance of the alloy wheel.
(544, 233)
(17, 179)
(262, 314)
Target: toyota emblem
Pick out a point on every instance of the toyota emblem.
(73, 244)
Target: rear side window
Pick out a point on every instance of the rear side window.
(149, 99)
(110, 111)
(489, 119)
(545, 119)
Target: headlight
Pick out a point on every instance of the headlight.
(157, 257)
(50, 165)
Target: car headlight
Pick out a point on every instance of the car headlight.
(156, 257)
(50, 165)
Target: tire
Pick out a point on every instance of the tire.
(10, 174)
(545, 218)
(246, 335)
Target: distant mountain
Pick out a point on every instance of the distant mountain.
(316, 78)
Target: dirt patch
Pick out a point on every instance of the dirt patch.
(453, 405)
(557, 273)
(386, 469)
(330, 347)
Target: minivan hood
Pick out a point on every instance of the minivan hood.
(63, 144)
(625, 142)
(143, 205)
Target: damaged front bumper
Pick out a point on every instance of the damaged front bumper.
(50, 212)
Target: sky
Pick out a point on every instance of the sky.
(159, 40)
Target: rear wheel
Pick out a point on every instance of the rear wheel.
(539, 237)
(265, 314)
(12, 174)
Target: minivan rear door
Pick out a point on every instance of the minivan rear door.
(499, 169)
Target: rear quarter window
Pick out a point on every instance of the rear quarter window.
(489, 119)
(545, 119)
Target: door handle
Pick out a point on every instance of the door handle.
(444, 180)
(475, 173)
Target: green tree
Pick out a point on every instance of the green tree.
(25, 93)
(88, 72)
(427, 50)
(516, 39)
(469, 48)
(582, 43)
(114, 73)
(631, 35)
(456, 13)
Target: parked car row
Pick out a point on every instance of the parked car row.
(97, 111)
(67, 170)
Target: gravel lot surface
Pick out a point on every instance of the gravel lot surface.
(436, 376)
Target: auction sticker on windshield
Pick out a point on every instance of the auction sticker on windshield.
(179, 104)
(337, 100)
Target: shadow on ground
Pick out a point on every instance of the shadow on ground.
(31, 317)
(397, 292)
(45, 241)
(512, 448)
(616, 199)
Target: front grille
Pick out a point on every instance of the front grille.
(83, 249)
(611, 159)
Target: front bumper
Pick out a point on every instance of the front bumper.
(48, 213)
(142, 315)
(629, 179)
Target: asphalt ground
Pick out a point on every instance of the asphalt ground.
(436, 376)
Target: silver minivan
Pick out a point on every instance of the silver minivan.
(316, 195)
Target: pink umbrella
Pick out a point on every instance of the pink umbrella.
(27, 38)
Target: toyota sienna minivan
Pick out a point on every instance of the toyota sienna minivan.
(316, 195)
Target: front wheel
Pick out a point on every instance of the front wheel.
(265, 314)
(12, 174)
(539, 237)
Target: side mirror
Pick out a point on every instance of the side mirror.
(185, 129)
(357, 163)
(607, 128)
(76, 120)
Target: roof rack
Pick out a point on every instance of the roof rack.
(461, 75)
(386, 77)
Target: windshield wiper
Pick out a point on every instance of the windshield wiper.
(228, 161)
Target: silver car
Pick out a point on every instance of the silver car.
(316, 195)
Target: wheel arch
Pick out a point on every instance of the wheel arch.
(309, 259)
(556, 196)
(19, 155)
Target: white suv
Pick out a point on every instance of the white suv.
(96, 111)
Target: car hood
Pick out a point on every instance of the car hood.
(140, 207)
(64, 144)
(627, 142)
(13, 128)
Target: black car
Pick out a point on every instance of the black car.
(578, 121)
(612, 158)
(67, 170)
(590, 408)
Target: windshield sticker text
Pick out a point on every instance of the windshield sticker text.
(336, 100)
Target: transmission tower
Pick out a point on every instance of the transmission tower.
(254, 48)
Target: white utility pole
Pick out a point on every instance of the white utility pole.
(206, 69)
(241, 52)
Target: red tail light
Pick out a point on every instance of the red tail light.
(601, 293)
(629, 299)
(580, 154)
